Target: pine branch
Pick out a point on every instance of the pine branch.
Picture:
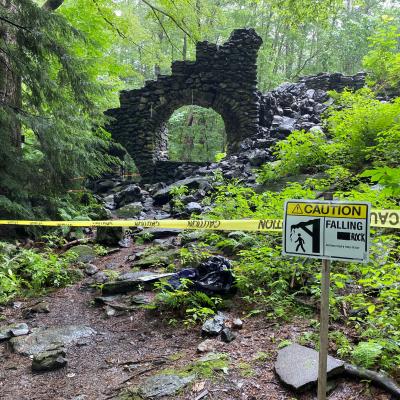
(14, 24)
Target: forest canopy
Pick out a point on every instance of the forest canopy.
(62, 63)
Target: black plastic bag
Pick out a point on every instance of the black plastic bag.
(213, 276)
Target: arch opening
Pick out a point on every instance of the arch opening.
(195, 134)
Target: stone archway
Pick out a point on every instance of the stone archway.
(223, 78)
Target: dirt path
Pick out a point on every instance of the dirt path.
(97, 368)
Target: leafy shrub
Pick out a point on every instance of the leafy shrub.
(358, 124)
(383, 60)
(365, 354)
(299, 152)
(191, 305)
(28, 272)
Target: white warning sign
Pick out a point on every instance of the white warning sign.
(333, 230)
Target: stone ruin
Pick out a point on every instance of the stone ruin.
(223, 78)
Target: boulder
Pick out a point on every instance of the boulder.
(85, 253)
(193, 208)
(46, 339)
(130, 194)
(131, 210)
(161, 258)
(159, 233)
(49, 360)
(163, 385)
(109, 236)
(163, 196)
(297, 367)
(9, 331)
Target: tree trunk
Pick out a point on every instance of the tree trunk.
(10, 81)
(184, 49)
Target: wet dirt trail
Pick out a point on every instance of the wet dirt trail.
(128, 348)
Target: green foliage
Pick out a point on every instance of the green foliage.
(358, 124)
(195, 134)
(219, 157)
(233, 201)
(177, 193)
(284, 343)
(192, 305)
(267, 279)
(27, 272)
(299, 152)
(365, 354)
(58, 111)
(389, 178)
(362, 130)
(194, 253)
(383, 60)
(342, 343)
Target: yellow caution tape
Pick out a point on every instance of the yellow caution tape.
(219, 225)
(379, 219)
(385, 218)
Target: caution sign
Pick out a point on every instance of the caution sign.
(327, 229)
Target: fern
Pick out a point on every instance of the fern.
(366, 354)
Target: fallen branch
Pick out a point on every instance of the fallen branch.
(74, 243)
(377, 378)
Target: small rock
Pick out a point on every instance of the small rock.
(227, 335)
(140, 299)
(206, 346)
(193, 207)
(100, 277)
(40, 308)
(49, 360)
(237, 323)
(110, 311)
(90, 269)
(125, 243)
(9, 331)
(213, 326)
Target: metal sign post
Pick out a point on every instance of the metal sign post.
(323, 330)
(324, 323)
(329, 230)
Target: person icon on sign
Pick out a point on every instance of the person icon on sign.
(300, 242)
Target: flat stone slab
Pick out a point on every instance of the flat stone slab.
(133, 279)
(9, 331)
(163, 385)
(47, 339)
(297, 367)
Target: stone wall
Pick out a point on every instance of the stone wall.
(223, 78)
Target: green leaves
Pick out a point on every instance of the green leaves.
(383, 60)
(365, 354)
(387, 177)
